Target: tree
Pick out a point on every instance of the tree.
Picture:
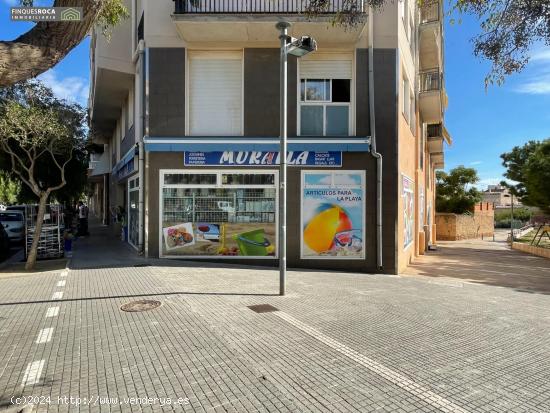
(508, 29)
(529, 167)
(43, 46)
(454, 192)
(39, 134)
(9, 189)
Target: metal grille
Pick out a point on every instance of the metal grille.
(263, 6)
(50, 243)
(218, 205)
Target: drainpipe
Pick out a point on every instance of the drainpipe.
(373, 151)
(141, 152)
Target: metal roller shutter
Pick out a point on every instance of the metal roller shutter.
(215, 93)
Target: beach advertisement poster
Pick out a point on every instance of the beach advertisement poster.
(333, 215)
(407, 196)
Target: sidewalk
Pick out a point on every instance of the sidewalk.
(103, 249)
(485, 262)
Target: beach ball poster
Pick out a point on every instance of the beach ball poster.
(333, 208)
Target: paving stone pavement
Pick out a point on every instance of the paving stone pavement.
(339, 343)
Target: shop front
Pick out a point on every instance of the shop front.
(223, 205)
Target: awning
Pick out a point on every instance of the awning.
(212, 143)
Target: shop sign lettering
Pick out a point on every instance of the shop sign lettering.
(261, 158)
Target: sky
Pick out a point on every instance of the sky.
(483, 123)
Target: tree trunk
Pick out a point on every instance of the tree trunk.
(31, 258)
(45, 44)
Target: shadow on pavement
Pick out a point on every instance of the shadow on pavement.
(110, 297)
(485, 263)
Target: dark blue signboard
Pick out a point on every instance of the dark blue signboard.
(262, 158)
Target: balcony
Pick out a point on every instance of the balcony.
(99, 164)
(430, 34)
(261, 6)
(431, 96)
(434, 133)
(437, 160)
(246, 21)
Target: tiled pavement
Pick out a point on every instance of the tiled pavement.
(341, 342)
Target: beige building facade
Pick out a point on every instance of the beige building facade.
(184, 102)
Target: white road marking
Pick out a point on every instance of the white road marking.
(52, 312)
(64, 273)
(45, 335)
(61, 283)
(394, 377)
(33, 373)
(58, 295)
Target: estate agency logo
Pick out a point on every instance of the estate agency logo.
(37, 14)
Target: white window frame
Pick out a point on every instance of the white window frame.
(218, 184)
(350, 104)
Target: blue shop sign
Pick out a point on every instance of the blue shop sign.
(262, 158)
(126, 169)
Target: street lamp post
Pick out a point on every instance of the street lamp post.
(297, 47)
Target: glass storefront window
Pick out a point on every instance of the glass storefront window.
(229, 220)
(133, 211)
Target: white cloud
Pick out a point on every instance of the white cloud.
(538, 85)
(476, 163)
(537, 82)
(541, 54)
(72, 88)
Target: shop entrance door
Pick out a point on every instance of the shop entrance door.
(133, 212)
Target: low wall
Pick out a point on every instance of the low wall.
(531, 249)
(480, 223)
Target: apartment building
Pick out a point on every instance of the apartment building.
(184, 102)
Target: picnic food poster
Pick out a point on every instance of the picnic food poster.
(333, 209)
(225, 239)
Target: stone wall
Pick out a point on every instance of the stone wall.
(477, 224)
(531, 249)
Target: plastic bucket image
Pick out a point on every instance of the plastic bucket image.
(252, 243)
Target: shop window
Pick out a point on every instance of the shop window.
(190, 179)
(227, 215)
(325, 107)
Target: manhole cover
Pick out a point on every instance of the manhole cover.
(140, 305)
(263, 308)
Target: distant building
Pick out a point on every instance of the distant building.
(500, 196)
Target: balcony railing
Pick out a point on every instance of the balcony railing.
(263, 6)
(430, 80)
(434, 130)
(429, 12)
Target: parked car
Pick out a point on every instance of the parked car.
(13, 222)
(4, 244)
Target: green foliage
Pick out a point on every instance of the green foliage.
(41, 137)
(9, 189)
(112, 12)
(508, 30)
(521, 214)
(454, 192)
(529, 167)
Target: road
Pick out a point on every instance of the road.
(338, 342)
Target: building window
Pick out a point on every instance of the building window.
(412, 116)
(406, 99)
(215, 93)
(219, 214)
(325, 107)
